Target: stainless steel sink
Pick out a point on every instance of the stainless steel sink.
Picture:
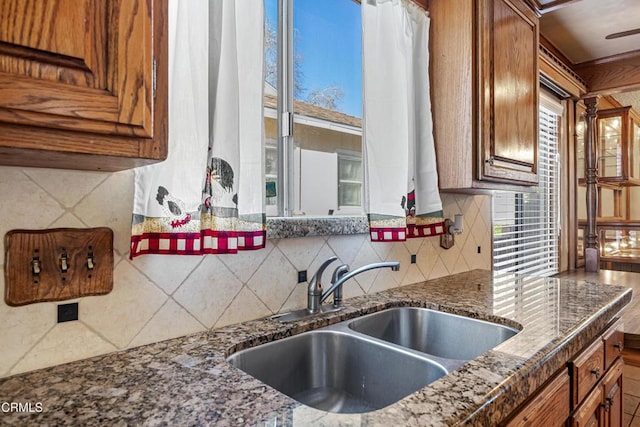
(368, 363)
(434, 332)
(336, 371)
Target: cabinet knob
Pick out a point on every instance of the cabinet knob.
(618, 345)
(596, 372)
(609, 401)
(489, 161)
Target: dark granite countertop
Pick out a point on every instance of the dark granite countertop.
(187, 381)
(631, 316)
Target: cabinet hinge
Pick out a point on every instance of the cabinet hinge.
(154, 78)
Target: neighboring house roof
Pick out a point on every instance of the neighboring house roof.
(309, 110)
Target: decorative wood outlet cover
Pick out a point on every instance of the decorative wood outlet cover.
(57, 264)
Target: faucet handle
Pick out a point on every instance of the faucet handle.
(314, 292)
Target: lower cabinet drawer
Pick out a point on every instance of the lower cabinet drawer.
(589, 413)
(586, 371)
(587, 393)
(613, 345)
(550, 407)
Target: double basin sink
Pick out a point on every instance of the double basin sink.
(370, 362)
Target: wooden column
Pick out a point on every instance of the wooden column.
(591, 248)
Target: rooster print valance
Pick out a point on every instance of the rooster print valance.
(207, 197)
(401, 177)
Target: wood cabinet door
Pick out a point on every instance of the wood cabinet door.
(589, 413)
(79, 67)
(613, 404)
(586, 370)
(550, 407)
(508, 91)
(613, 345)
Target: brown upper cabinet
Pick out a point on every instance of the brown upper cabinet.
(484, 91)
(83, 83)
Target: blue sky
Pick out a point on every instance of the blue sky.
(328, 35)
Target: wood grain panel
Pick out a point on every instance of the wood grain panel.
(631, 354)
(586, 370)
(550, 407)
(484, 93)
(452, 90)
(613, 403)
(71, 263)
(510, 92)
(612, 75)
(514, 88)
(590, 413)
(81, 60)
(69, 160)
(84, 85)
(613, 345)
(558, 72)
(58, 40)
(54, 40)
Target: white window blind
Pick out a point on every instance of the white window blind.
(529, 298)
(526, 226)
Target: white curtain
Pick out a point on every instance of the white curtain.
(401, 181)
(203, 198)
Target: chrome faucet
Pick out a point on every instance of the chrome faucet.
(338, 273)
(314, 294)
(341, 275)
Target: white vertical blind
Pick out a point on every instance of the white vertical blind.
(526, 226)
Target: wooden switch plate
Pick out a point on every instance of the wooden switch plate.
(57, 264)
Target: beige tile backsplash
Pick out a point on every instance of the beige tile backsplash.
(158, 297)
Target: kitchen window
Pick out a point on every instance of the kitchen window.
(526, 226)
(313, 107)
(350, 182)
(271, 175)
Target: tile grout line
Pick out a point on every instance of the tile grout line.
(29, 350)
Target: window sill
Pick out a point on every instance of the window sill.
(305, 226)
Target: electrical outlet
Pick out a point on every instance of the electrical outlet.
(302, 276)
(479, 249)
(414, 259)
(67, 312)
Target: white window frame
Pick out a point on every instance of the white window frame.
(271, 209)
(350, 155)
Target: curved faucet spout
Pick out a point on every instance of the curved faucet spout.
(344, 275)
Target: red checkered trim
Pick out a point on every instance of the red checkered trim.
(387, 234)
(425, 230)
(205, 242)
(401, 234)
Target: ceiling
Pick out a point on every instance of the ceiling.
(629, 98)
(578, 29)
